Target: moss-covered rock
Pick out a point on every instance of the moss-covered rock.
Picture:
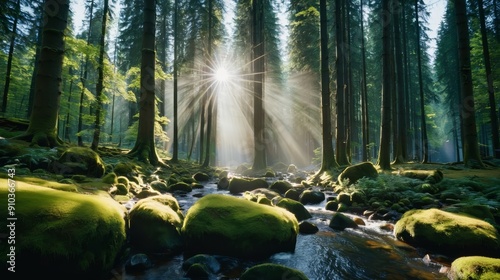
(226, 225)
(340, 221)
(281, 186)
(474, 268)
(306, 227)
(180, 187)
(79, 160)
(239, 185)
(159, 186)
(332, 205)
(293, 194)
(311, 197)
(201, 176)
(270, 271)
(63, 233)
(155, 224)
(110, 178)
(270, 194)
(353, 173)
(295, 207)
(126, 168)
(429, 176)
(448, 233)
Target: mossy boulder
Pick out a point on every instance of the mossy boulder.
(340, 221)
(127, 169)
(160, 186)
(474, 268)
(281, 186)
(239, 185)
(293, 194)
(271, 271)
(155, 224)
(63, 233)
(429, 176)
(225, 225)
(110, 178)
(201, 176)
(180, 187)
(79, 160)
(449, 233)
(311, 197)
(295, 207)
(353, 173)
(306, 227)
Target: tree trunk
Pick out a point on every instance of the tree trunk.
(471, 155)
(364, 94)
(425, 141)
(328, 161)
(258, 86)
(341, 143)
(400, 155)
(42, 130)
(210, 90)
(100, 80)
(36, 62)
(9, 59)
(175, 152)
(144, 148)
(489, 79)
(384, 154)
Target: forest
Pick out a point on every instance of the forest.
(330, 120)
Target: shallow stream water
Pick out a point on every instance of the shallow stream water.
(363, 253)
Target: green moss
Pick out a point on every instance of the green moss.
(295, 207)
(447, 232)
(269, 271)
(281, 186)
(226, 225)
(75, 233)
(239, 185)
(62, 186)
(155, 224)
(110, 178)
(475, 268)
(80, 160)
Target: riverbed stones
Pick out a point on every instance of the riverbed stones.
(449, 233)
(353, 173)
(224, 225)
(270, 271)
(155, 224)
(306, 227)
(474, 267)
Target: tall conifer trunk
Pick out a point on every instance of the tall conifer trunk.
(42, 129)
(471, 157)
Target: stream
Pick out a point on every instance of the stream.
(366, 252)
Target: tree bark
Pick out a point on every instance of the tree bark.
(400, 153)
(489, 79)
(384, 154)
(175, 144)
(42, 130)
(342, 112)
(328, 161)
(260, 161)
(145, 149)
(10, 57)
(425, 140)
(100, 80)
(471, 155)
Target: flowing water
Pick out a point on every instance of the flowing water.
(363, 253)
